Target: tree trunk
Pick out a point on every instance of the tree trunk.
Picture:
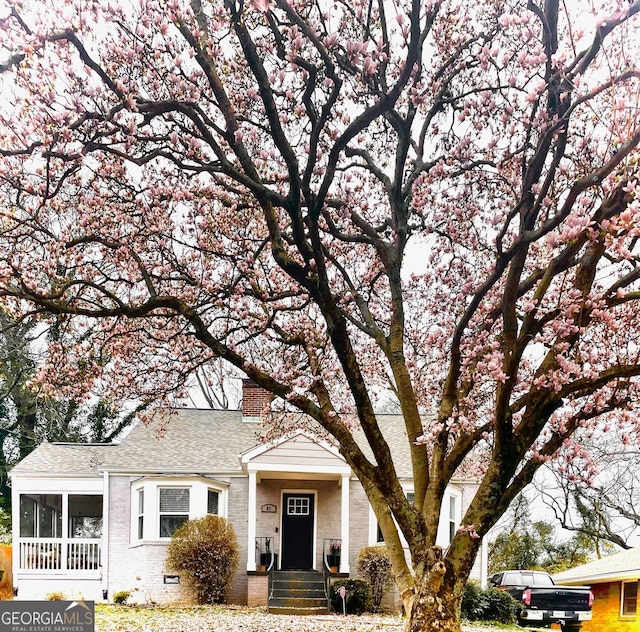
(438, 594)
(436, 607)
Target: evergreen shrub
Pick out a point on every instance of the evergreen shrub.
(357, 596)
(488, 604)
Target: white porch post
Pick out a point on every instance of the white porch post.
(344, 524)
(104, 540)
(251, 524)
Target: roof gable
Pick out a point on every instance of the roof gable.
(297, 451)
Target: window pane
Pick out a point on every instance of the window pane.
(27, 517)
(140, 514)
(298, 506)
(212, 502)
(85, 515)
(410, 497)
(174, 499)
(50, 522)
(629, 598)
(169, 523)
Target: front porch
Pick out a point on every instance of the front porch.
(298, 497)
(298, 512)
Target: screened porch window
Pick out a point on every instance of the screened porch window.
(174, 509)
(85, 516)
(60, 532)
(41, 516)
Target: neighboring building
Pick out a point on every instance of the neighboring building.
(93, 519)
(614, 583)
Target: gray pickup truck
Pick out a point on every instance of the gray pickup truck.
(543, 601)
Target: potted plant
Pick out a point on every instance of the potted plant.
(333, 559)
(265, 557)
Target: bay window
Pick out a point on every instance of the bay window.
(160, 506)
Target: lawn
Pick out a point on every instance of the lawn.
(238, 619)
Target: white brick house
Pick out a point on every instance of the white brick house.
(90, 520)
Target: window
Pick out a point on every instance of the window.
(159, 506)
(174, 509)
(140, 514)
(452, 518)
(212, 501)
(379, 537)
(629, 598)
(298, 506)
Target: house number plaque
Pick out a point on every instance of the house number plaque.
(268, 508)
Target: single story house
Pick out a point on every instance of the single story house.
(90, 520)
(614, 583)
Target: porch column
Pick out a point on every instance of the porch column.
(344, 524)
(251, 522)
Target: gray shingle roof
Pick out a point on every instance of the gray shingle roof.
(192, 440)
(64, 459)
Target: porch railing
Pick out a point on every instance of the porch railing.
(54, 554)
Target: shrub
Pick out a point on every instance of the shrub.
(55, 596)
(120, 597)
(205, 551)
(357, 597)
(488, 604)
(375, 566)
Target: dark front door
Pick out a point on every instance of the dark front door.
(297, 531)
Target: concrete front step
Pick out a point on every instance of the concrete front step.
(298, 611)
(297, 602)
(298, 592)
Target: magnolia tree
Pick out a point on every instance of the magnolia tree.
(247, 181)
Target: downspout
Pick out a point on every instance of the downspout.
(104, 547)
(484, 563)
(345, 522)
(15, 536)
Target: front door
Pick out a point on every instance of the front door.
(297, 531)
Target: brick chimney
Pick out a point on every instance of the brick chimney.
(255, 400)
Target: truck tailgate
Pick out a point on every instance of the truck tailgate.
(560, 598)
